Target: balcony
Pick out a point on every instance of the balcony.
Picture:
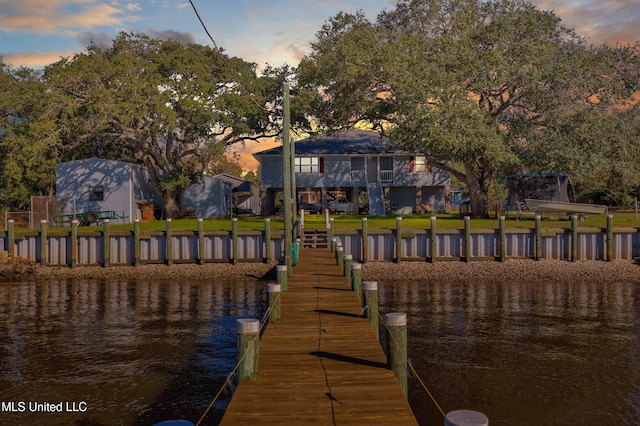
(386, 176)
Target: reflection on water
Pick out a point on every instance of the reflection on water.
(523, 353)
(117, 352)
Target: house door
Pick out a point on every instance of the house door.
(372, 169)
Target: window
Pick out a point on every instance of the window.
(96, 193)
(309, 165)
(418, 164)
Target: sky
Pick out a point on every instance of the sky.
(35, 33)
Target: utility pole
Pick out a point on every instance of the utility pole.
(286, 184)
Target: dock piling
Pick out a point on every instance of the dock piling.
(356, 274)
(346, 270)
(248, 348)
(340, 256)
(397, 346)
(465, 418)
(281, 277)
(273, 296)
(370, 304)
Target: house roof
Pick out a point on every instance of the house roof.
(347, 142)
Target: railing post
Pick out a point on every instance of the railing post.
(465, 418)
(370, 304)
(11, 244)
(106, 241)
(538, 237)
(267, 239)
(44, 246)
(248, 348)
(434, 239)
(281, 276)
(574, 238)
(365, 240)
(346, 270)
(398, 239)
(502, 235)
(234, 239)
(201, 249)
(136, 242)
(74, 243)
(609, 237)
(467, 239)
(396, 325)
(356, 283)
(169, 242)
(273, 296)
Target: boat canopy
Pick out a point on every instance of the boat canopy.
(551, 187)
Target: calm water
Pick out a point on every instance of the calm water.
(524, 353)
(118, 353)
(136, 353)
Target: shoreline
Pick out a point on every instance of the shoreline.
(514, 270)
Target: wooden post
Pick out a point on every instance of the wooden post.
(332, 245)
(397, 346)
(398, 239)
(281, 277)
(267, 239)
(106, 240)
(169, 243)
(234, 240)
(248, 348)
(346, 270)
(356, 282)
(465, 418)
(136, 242)
(609, 237)
(340, 256)
(434, 239)
(201, 249)
(74, 243)
(331, 223)
(502, 235)
(44, 240)
(370, 303)
(273, 293)
(538, 238)
(11, 244)
(286, 187)
(467, 239)
(574, 238)
(365, 240)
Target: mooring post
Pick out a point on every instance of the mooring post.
(370, 304)
(281, 277)
(332, 245)
(538, 242)
(43, 242)
(609, 237)
(356, 274)
(467, 239)
(201, 249)
(465, 418)
(574, 238)
(340, 256)
(136, 242)
(365, 240)
(74, 243)
(248, 348)
(398, 239)
(434, 239)
(273, 297)
(267, 239)
(346, 270)
(169, 242)
(106, 240)
(397, 346)
(234, 238)
(502, 235)
(331, 221)
(11, 234)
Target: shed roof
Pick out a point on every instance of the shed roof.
(347, 142)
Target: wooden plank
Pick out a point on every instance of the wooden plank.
(321, 364)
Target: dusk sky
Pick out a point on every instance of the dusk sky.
(35, 33)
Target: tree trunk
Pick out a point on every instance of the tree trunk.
(171, 204)
(477, 180)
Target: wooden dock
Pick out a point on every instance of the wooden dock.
(321, 364)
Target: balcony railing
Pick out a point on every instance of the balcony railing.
(386, 176)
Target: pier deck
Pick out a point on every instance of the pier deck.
(322, 363)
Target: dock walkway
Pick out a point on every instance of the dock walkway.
(322, 363)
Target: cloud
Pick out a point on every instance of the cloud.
(35, 60)
(101, 40)
(180, 37)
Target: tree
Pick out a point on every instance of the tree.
(468, 83)
(173, 107)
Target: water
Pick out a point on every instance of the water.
(118, 353)
(136, 353)
(523, 353)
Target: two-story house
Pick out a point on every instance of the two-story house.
(356, 166)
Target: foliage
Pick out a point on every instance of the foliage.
(466, 82)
